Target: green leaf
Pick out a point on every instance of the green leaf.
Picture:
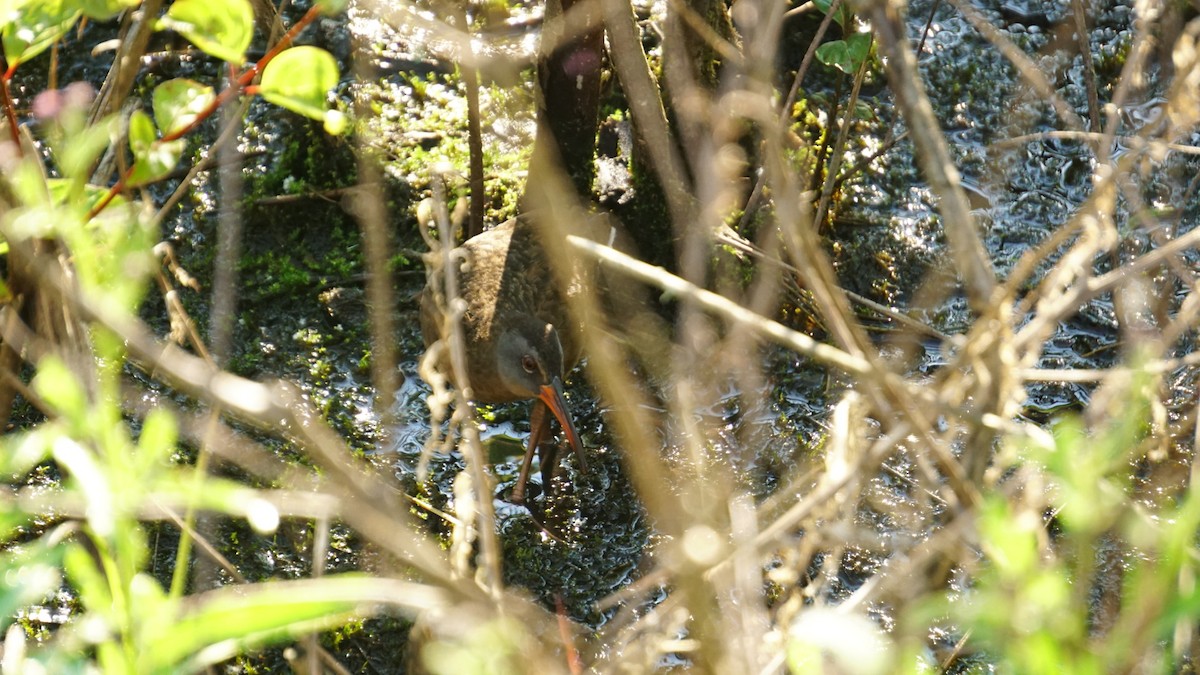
(9, 10)
(153, 159)
(177, 104)
(335, 122)
(22, 451)
(95, 593)
(91, 482)
(60, 389)
(330, 7)
(92, 194)
(843, 15)
(156, 164)
(1009, 542)
(157, 440)
(233, 619)
(101, 10)
(220, 28)
(77, 151)
(36, 26)
(141, 133)
(846, 55)
(11, 518)
(299, 79)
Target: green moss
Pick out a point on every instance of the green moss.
(308, 160)
(432, 113)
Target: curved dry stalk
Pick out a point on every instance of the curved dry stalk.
(887, 390)
(470, 446)
(370, 209)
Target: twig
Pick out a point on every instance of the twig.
(777, 332)
(837, 152)
(471, 447)
(970, 257)
(1024, 65)
(1079, 15)
(730, 239)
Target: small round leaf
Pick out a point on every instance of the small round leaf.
(141, 133)
(299, 79)
(178, 102)
(331, 7)
(220, 28)
(846, 55)
(152, 158)
(336, 122)
(102, 10)
(35, 27)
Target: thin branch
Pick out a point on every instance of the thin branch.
(933, 154)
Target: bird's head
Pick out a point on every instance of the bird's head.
(529, 357)
(529, 361)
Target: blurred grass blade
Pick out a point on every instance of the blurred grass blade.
(232, 619)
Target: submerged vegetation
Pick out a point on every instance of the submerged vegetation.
(910, 386)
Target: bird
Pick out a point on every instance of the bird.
(520, 342)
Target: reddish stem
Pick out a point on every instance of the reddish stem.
(574, 662)
(247, 76)
(112, 194)
(9, 111)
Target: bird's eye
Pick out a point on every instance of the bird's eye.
(529, 363)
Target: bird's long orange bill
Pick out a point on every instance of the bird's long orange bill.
(552, 395)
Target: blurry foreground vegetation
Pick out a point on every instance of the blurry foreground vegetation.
(983, 532)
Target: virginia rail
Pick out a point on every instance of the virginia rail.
(518, 340)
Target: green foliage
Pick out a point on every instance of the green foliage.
(114, 474)
(1032, 607)
(35, 26)
(331, 6)
(178, 103)
(844, 16)
(102, 10)
(153, 159)
(228, 622)
(846, 55)
(302, 95)
(220, 28)
(1027, 602)
(115, 478)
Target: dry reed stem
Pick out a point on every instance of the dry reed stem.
(970, 258)
(370, 209)
(481, 488)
